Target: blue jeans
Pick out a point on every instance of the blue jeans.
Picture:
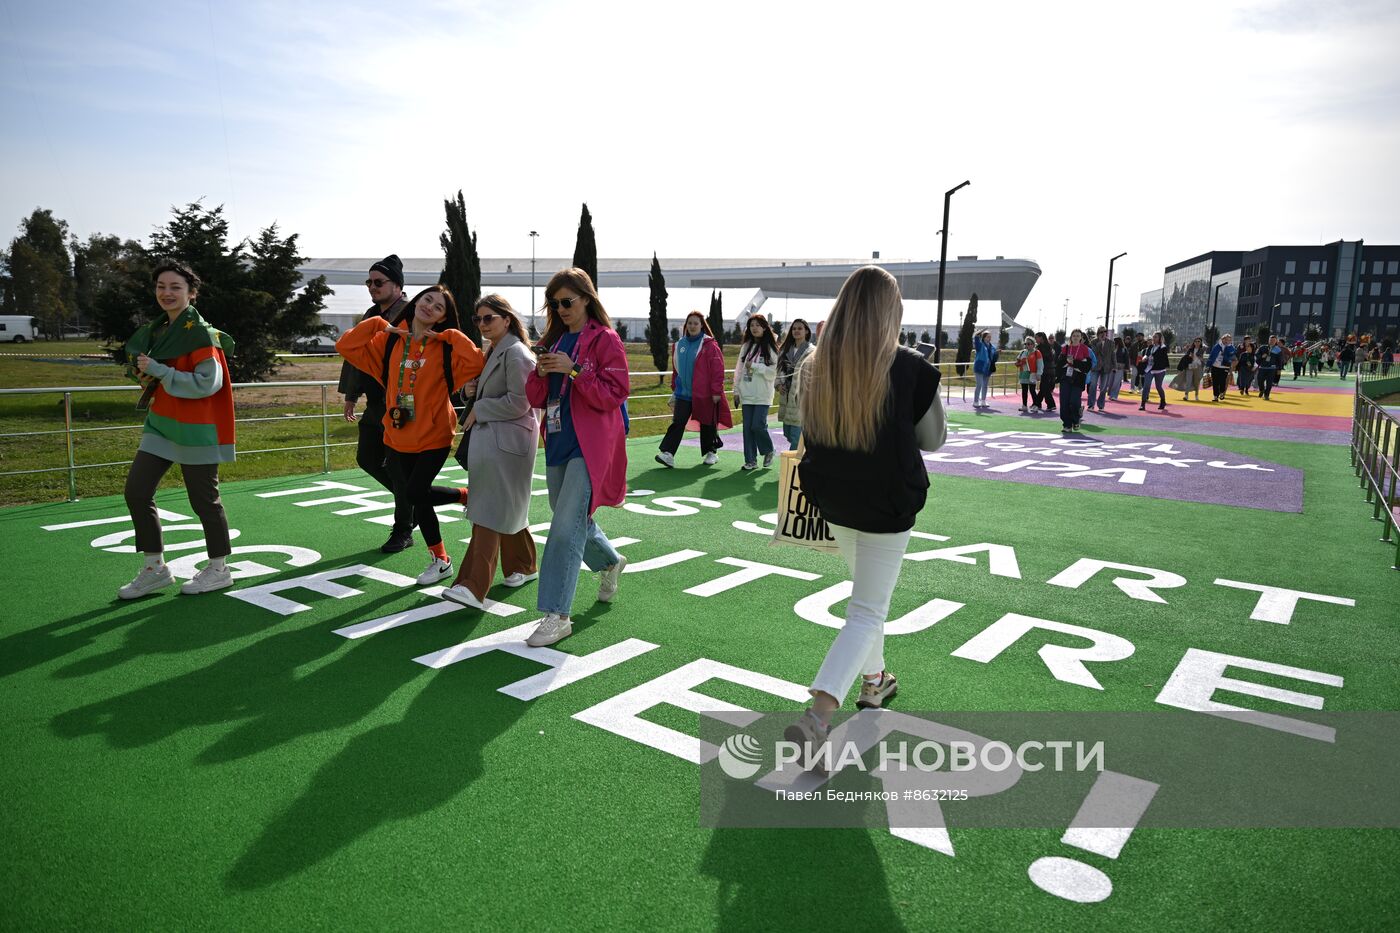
(1098, 389)
(574, 538)
(1342, 367)
(793, 433)
(1147, 379)
(756, 438)
(979, 393)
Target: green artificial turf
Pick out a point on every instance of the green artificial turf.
(199, 762)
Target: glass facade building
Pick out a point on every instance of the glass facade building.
(1150, 311)
(1332, 289)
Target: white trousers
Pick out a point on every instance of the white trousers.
(859, 648)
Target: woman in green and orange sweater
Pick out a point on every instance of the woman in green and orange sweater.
(419, 359)
(179, 360)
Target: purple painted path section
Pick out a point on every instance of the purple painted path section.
(1162, 468)
(1132, 465)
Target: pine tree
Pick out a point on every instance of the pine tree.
(586, 247)
(716, 318)
(249, 289)
(925, 337)
(969, 326)
(656, 319)
(1004, 337)
(461, 268)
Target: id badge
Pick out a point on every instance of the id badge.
(554, 423)
(406, 405)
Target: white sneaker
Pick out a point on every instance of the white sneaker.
(666, 460)
(436, 571)
(520, 579)
(768, 459)
(148, 580)
(749, 466)
(460, 594)
(208, 580)
(710, 459)
(552, 628)
(608, 579)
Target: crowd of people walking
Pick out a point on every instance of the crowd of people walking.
(858, 406)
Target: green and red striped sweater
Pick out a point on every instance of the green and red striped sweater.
(191, 411)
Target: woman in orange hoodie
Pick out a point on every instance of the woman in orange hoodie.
(420, 359)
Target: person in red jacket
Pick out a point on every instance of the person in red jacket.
(697, 391)
(409, 359)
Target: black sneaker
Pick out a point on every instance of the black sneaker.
(398, 541)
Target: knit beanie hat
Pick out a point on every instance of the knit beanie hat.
(392, 267)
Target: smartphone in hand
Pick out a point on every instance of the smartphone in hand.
(927, 350)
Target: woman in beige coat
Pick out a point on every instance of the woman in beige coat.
(503, 436)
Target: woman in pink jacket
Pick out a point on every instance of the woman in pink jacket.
(580, 381)
(697, 391)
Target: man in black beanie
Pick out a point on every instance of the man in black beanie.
(385, 284)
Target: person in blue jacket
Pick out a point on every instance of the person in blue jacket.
(983, 364)
(1221, 361)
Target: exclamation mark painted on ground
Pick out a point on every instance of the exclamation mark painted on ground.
(1103, 824)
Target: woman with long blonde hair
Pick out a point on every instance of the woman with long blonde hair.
(868, 405)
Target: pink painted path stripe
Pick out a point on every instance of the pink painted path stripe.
(1196, 412)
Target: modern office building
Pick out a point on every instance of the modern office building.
(1340, 288)
(1150, 310)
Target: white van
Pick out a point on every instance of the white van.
(16, 328)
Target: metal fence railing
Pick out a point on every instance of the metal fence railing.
(330, 410)
(1375, 455)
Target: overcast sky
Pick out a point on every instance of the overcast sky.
(721, 129)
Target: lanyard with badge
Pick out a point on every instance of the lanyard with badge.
(402, 412)
(553, 416)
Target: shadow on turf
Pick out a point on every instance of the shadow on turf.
(788, 879)
(33, 647)
(391, 772)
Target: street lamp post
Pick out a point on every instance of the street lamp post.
(1108, 297)
(1216, 309)
(1114, 324)
(943, 261)
(534, 235)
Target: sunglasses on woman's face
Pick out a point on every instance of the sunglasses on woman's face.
(479, 319)
(376, 283)
(566, 303)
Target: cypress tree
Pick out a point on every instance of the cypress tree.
(586, 247)
(461, 268)
(969, 326)
(656, 319)
(716, 318)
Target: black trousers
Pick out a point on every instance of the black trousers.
(1219, 381)
(371, 455)
(709, 436)
(1047, 391)
(416, 473)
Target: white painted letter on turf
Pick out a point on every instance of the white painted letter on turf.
(817, 608)
(1001, 558)
(564, 669)
(1277, 603)
(750, 571)
(1201, 673)
(621, 714)
(265, 595)
(1077, 574)
(1067, 664)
